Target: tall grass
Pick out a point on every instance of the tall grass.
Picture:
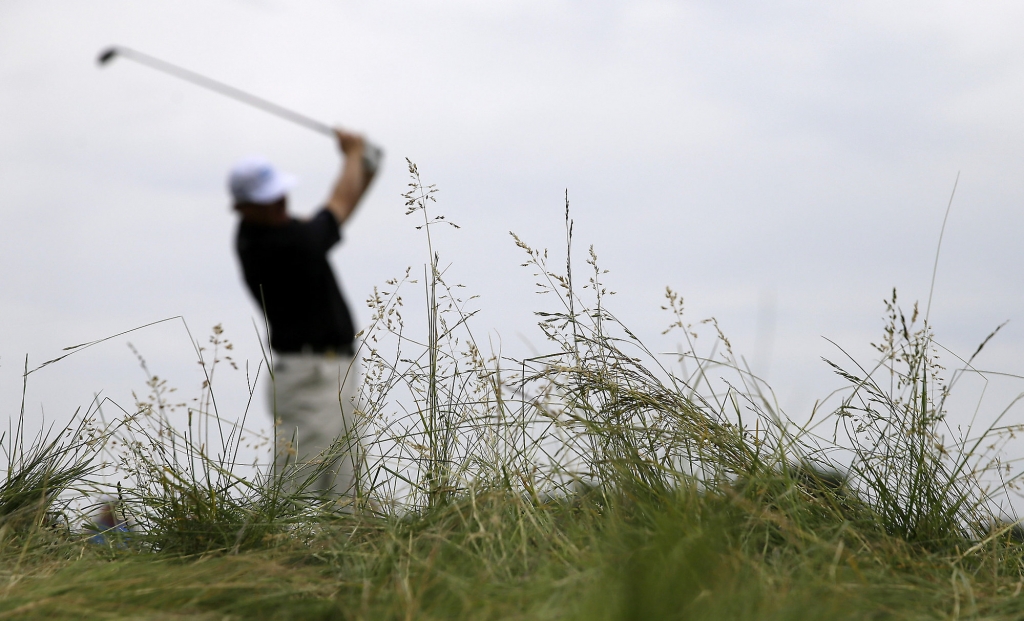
(596, 480)
(924, 479)
(41, 468)
(190, 492)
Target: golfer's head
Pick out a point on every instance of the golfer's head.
(254, 181)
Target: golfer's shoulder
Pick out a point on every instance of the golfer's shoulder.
(322, 227)
(323, 218)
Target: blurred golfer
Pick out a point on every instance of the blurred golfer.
(312, 336)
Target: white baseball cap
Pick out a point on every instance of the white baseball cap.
(255, 180)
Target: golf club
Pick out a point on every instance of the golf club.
(372, 153)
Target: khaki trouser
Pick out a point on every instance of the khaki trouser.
(312, 399)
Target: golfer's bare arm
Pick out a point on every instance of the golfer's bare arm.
(351, 184)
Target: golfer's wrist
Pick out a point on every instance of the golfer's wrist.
(354, 150)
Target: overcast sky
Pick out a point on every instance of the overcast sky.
(782, 165)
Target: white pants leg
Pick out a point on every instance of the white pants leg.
(312, 399)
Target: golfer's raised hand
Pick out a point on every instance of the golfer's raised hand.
(350, 144)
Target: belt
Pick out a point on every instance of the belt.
(345, 350)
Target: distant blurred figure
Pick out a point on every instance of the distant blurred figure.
(284, 260)
(109, 524)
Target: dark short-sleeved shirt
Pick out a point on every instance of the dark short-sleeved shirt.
(286, 270)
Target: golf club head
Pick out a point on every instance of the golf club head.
(372, 156)
(106, 56)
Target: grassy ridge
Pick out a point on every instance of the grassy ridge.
(592, 482)
(494, 556)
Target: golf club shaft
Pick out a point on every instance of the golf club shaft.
(224, 89)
